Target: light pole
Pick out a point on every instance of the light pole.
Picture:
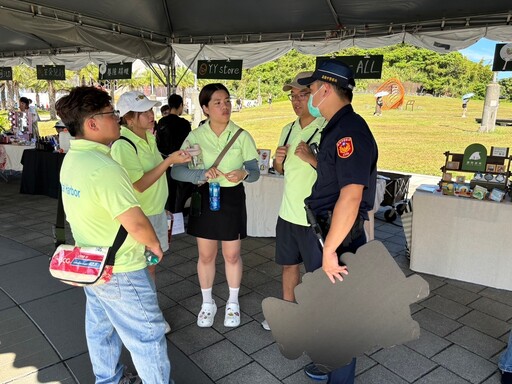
(259, 93)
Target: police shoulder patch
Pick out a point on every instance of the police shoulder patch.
(345, 147)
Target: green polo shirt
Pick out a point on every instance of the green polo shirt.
(152, 200)
(243, 149)
(299, 176)
(96, 190)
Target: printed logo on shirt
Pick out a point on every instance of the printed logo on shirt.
(345, 147)
(69, 190)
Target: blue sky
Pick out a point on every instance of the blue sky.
(483, 50)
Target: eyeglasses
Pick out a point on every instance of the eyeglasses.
(300, 96)
(115, 113)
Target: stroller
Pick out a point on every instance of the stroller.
(395, 196)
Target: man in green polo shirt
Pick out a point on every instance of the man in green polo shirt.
(98, 197)
(295, 160)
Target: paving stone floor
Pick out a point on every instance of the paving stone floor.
(464, 326)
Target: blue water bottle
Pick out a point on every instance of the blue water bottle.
(214, 196)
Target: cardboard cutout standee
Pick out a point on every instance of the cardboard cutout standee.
(333, 323)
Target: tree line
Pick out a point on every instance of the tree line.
(438, 74)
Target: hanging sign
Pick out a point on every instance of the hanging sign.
(364, 67)
(114, 71)
(51, 72)
(502, 58)
(5, 73)
(219, 69)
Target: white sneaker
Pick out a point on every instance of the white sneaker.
(265, 325)
(206, 315)
(167, 327)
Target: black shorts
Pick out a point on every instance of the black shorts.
(229, 223)
(293, 245)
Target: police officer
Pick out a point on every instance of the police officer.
(344, 191)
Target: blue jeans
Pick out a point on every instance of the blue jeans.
(343, 375)
(125, 311)
(505, 363)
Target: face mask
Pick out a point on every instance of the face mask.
(314, 111)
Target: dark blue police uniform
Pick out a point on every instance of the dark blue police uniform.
(347, 155)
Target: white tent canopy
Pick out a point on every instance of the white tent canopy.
(258, 53)
(253, 31)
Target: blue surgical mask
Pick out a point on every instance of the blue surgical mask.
(314, 111)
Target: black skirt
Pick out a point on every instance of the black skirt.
(228, 223)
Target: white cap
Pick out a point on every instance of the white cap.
(60, 124)
(135, 101)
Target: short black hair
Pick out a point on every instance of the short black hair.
(343, 93)
(208, 90)
(80, 103)
(24, 100)
(175, 101)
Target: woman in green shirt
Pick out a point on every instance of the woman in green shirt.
(137, 152)
(229, 224)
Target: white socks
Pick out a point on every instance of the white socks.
(207, 295)
(233, 295)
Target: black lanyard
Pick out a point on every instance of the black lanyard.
(290, 131)
(288, 135)
(307, 142)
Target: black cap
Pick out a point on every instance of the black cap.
(334, 72)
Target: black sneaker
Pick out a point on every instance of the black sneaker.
(128, 378)
(506, 377)
(312, 371)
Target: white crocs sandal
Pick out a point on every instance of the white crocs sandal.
(232, 317)
(207, 315)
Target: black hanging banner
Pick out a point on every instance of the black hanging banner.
(51, 72)
(219, 69)
(364, 67)
(115, 71)
(5, 73)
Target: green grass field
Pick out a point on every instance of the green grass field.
(409, 141)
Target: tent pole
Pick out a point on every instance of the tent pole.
(172, 73)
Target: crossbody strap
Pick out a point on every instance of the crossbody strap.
(118, 241)
(226, 148)
(129, 141)
(60, 234)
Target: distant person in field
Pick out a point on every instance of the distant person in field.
(464, 107)
(378, 106)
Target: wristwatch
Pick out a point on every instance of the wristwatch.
(488, 177)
